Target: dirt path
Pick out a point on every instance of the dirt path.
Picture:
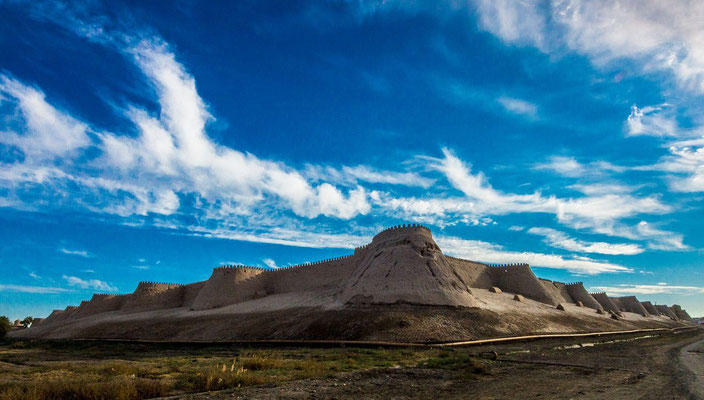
(646, 368)
(692, 358)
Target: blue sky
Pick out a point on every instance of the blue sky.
(155, 141)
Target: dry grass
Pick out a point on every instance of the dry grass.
(122, 388)
(220, 377)
(106, 370)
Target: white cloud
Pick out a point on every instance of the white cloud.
(32, 289)
(285, 236)
(171, 156)
(660, 239)
(513, 21)
(656, 35)
(660, 35)
(561, 240)
(89, 284)
(362, 173)
(34, 275)
(270, 263)
(367, 174)
(48, 134)
(490, 253)
(80, 253)
(600, 212)
(660, 288)
(516, 228)
(142, 267)
(570, 167)
(565, 166)
(651, 121)
(518, 106)
(477, 188)
(685, 166)
(596, 189)
(175, 146)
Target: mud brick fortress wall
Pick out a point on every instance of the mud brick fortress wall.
(401, 264)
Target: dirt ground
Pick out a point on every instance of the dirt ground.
(634, 367)
(393, 323)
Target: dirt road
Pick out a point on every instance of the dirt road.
(631, 367)
(692, 359)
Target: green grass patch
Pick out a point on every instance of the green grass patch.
(466, 364)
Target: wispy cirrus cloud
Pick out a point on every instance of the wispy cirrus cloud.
(32, 289)
(138, 175)
(660, 288)
(95, 284)
(47, 133)
(74, 252)
(362, 173)
(461, 94)
(491, 253)
(655, 36)
(684, 165)
(651, 120)
(569, 167)
(561, 240)
(598, 211)
(518, 106)
(565, 166)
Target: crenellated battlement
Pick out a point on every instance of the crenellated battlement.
(574, 284)
(507, 265)
(403, 226)
(151, 283)
(361, 248)
(462, 259)
(399, 228)
(523, 265)
(233, 266)
(313, 263)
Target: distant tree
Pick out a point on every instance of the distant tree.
(27, 322)
(4, 326)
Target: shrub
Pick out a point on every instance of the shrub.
(4, 326)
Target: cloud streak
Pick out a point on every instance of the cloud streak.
(79, 253)
(561, 240)
(89, 284)
(32, 289)
(661, 288)
(490, 253)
